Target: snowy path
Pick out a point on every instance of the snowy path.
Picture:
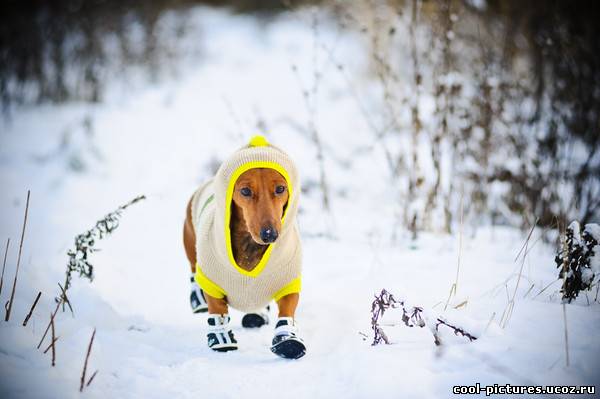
(156, 347)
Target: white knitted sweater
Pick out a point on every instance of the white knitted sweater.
(278, 273)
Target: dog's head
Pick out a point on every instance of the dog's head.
(261, 194)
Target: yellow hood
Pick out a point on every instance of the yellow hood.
(257, 154)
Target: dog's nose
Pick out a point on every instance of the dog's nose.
(268, 234)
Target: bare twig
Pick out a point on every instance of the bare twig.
(14, 287)
(4, 264)
(87, 357)
(49, 324)
(51, 344)
(53, 341)
(454, 287)
(457, 330)
(37, 298)
(91, 378)
(65, 299)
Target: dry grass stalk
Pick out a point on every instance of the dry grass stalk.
(53, 341)
(87, 357)
(490, 322)
(64, 299)
(51, 344)
(4, 264)
(528, 291)
(460, 238)
(463, 303)
(37, 298)
(511, 304)
(49, 324)
(91, 378)
(545, 288)
(14, 287)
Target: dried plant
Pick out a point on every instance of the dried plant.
(53, 342)
(14, 287)
(85, 364)
(37, 298)
(4, 265)
(575, 259)
(79, 257)
(411, 317)
(507, 313)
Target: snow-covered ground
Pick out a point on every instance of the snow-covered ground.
(82, 161)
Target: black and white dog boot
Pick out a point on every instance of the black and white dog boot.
(286, 342)
(220, 337)
(197, 299)
(255, 320)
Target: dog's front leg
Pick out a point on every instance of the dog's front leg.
(220, 337)
(216, 305)
(286, 342)
(287, 305)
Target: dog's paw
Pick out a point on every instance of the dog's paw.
(255, 320)
(286, 342)
(219, 343)
(289, 348)
(220, 337)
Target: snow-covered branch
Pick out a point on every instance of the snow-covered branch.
(579, 259)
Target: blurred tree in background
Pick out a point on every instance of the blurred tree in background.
(515, 86)
(61, 50)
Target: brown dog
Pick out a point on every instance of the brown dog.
(242, 242)
(256, 221)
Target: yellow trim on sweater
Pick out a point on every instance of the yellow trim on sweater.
(212, 289)
(207, 285)
(229, 197)
(292, 288)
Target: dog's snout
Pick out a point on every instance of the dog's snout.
(268, 234)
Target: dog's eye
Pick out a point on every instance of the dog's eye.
(279, 189)
(246, 192)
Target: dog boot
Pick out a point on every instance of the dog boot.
(220, 337)
(286, 343)
(197, 299)
(255, 320)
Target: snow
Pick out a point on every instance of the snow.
(574, 225)
(594, 230)
(163, 141)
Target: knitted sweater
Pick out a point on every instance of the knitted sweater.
(278, 272)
